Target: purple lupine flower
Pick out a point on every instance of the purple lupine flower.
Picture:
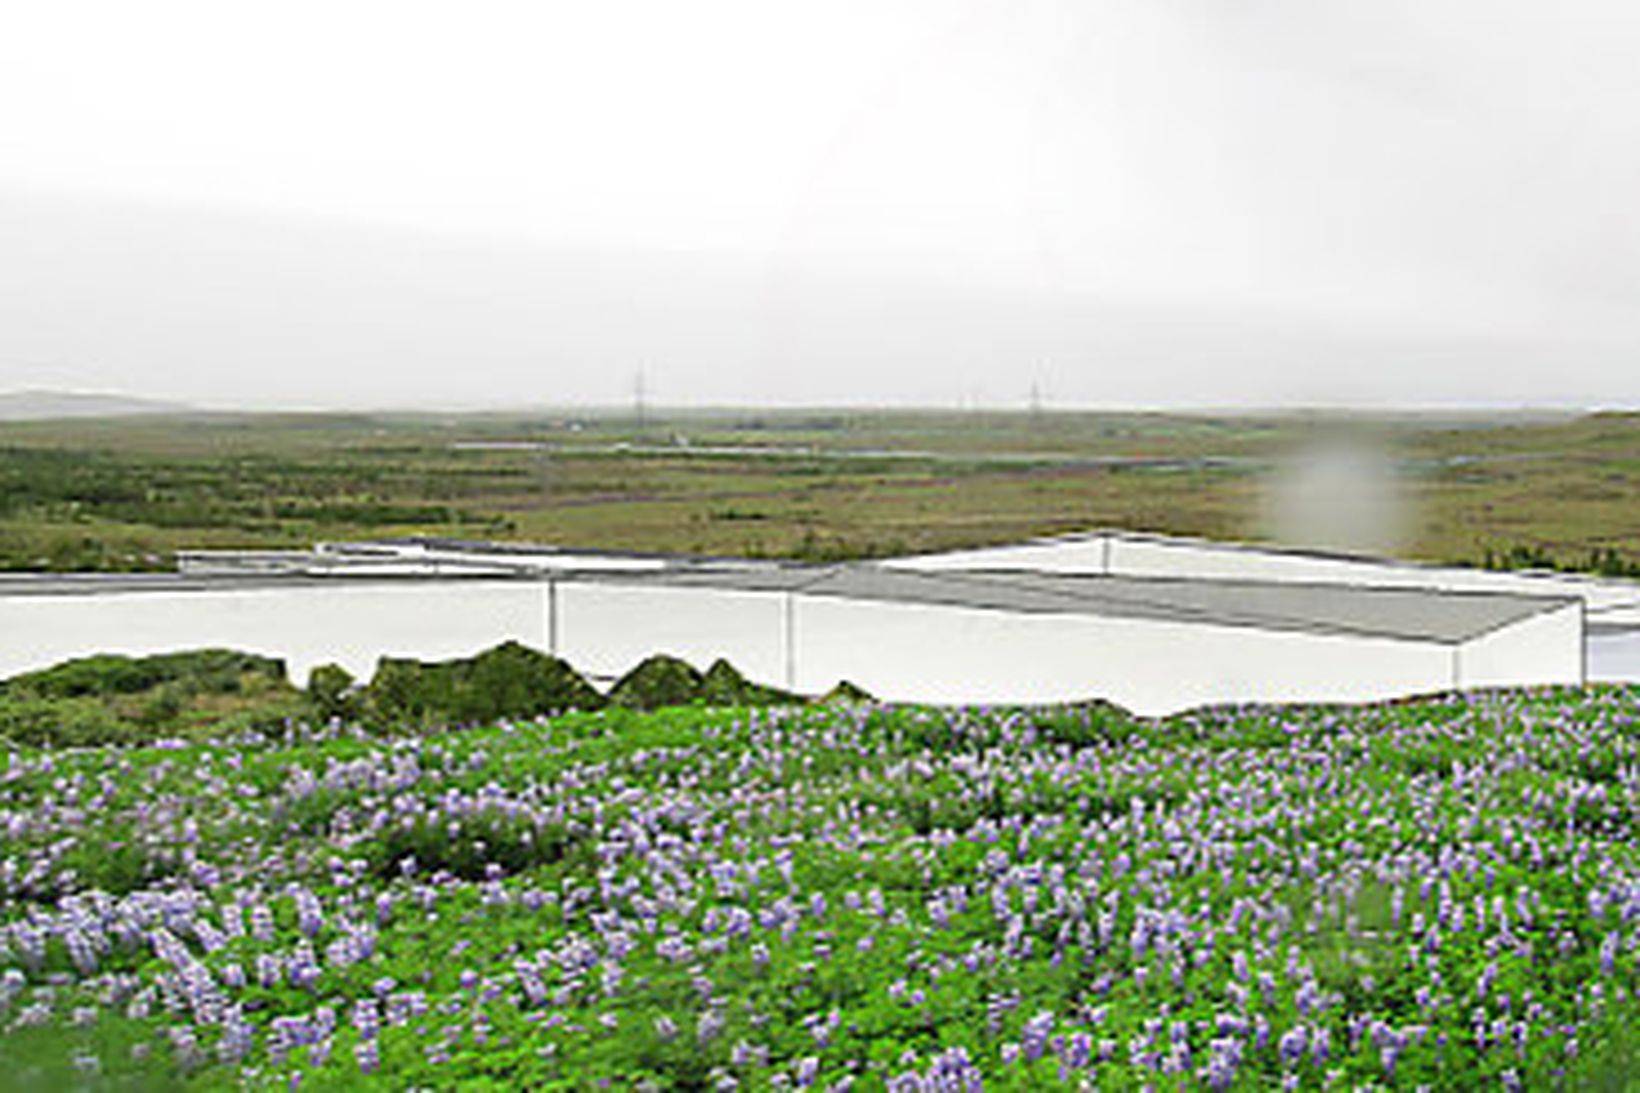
(1321, 1046)
(1034, 1036)
(1223, 1062)
(1292, 1045)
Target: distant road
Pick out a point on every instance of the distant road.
(910, 455)
(916, 455)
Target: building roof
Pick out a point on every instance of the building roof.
(1394, 613)
(1407, 614)
(1610, 603)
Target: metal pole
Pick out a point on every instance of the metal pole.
(788, 618)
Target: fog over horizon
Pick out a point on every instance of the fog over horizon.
(1171, 203)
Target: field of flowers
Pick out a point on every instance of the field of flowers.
(1442, 893)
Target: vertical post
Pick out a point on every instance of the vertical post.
(1583, 641)
(552, 616)
(788, 638)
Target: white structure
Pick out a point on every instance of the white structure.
(1611, 607)
(305, 622)
(1154, 625)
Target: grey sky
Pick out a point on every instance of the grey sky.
(1125, 202)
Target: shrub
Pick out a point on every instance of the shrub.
(660, 680)
(215, 671)
(507, 681)
(400, 690)
(162, 706)
(99, 675)
(59, 722)
(202, 671)
(1086, 723)
(333, 693)
(264, 717)
(723, 685)
(513, 680)
(846, 694)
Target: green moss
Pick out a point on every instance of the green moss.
(723, 685)
(60, 722)
(659, 681)
(333, 692)
(847, 694)
(510, 680)
(202, 671)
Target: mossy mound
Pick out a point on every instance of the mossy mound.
(723, 685)
(60, 722)
(846, 694)
(114, 699)
(660, 680)
(510, 680)
(202, 671)
(333, 693)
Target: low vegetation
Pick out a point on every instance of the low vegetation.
(111, 699)
(1507, 491)
(1436, 894)
(507, 681)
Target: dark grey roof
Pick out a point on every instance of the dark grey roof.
(1330, 608)
(1395, 613)
(1399, 613)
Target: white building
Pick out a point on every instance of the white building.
(1155, 625)
(1611, 607)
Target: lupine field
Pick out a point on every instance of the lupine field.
(1439, 894)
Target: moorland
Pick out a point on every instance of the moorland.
(127, 493)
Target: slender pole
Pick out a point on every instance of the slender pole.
(552, 617)
(788, 618)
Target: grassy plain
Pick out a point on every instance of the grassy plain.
(816, 484)
(1440, 894)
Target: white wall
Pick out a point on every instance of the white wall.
(605, 629)
(1185, 558)
(917, 653)
(903, 652)
(1613, 602)
(1546, 648)
(306, 625)
(1614, 657)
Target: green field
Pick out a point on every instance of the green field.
(1435, 894)
(126, 493)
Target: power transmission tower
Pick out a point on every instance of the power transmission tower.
(639, 410)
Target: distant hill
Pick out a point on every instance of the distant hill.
(43, 405)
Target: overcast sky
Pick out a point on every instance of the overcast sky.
(1123, 202)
